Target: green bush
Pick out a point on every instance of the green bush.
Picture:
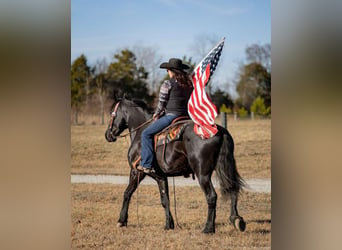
(259, 108)
(225, 109)
(242, 112)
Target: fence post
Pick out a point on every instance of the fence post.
(235, 116)
(224, 119)
(252, 115)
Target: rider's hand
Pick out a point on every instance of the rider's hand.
(155, 117)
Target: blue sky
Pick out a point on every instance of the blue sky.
(100, 28)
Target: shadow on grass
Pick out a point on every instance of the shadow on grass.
(262, 221)
(263, 231)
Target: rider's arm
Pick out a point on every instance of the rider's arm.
(163, 98)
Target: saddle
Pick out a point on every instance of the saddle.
(172, 132)
(169, 134)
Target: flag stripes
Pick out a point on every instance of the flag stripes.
(202, 111)
(200, 108)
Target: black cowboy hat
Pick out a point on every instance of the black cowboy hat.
(174, 63)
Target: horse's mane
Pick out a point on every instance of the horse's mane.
(140, 103)
(134, 103)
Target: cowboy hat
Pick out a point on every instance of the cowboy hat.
(174, 63)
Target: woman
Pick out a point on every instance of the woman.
(173, 102)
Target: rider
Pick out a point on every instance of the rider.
(173, 101)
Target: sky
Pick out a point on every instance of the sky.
(99, 29)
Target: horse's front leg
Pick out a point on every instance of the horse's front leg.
(135, 178)
(165, 201)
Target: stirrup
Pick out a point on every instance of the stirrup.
(146, 170)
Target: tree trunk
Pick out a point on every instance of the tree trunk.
(101, 99)
(102, 117)
(76, 117)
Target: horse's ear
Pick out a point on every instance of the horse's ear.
(115, 98)
(126, 96)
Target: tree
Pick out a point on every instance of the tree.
(80, 72)
(259, 54)
(148, 58)
(123, 68)
(259, 108)
(242, 112)
(254, 78)
(125, 77)
(220, 98)
(254, 81)
(101, 83)
(203, 43)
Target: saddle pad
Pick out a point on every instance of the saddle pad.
(171, 134)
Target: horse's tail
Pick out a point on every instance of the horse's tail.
(229, 178)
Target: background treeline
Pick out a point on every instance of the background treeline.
(136, 74)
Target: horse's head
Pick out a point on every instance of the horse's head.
(117, 123)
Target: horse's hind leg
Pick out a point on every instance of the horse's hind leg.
(165, 201)
(211, 197)
(134, 179)
(235, 218)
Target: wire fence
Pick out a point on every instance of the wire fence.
(222, 119)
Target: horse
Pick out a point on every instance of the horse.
(189, 155)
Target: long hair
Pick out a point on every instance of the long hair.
(182, 78)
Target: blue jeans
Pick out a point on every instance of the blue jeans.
(147, 151)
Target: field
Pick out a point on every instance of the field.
(96, 207)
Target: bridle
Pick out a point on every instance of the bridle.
(113, 115)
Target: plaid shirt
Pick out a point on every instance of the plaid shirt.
(163, 97)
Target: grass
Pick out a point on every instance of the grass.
(92, 154)
(96, 208)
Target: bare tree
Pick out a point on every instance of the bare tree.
(149, 58)
(260, 54)
(203, 43)
(100, 70)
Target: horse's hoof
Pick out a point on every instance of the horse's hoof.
(168, 228)
(240, 224)
(208, 231)
(121, 224)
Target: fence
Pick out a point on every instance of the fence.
(224, 117)
(96, 119)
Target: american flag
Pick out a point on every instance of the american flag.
(200, 108)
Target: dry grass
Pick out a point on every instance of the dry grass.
(96, 208)
(92, 154)
(252, 147)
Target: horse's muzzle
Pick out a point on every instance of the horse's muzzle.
(109, 136)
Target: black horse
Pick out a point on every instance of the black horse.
(190, 155)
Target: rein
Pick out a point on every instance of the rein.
(174, 202)
(128, 133)
(135, 129)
